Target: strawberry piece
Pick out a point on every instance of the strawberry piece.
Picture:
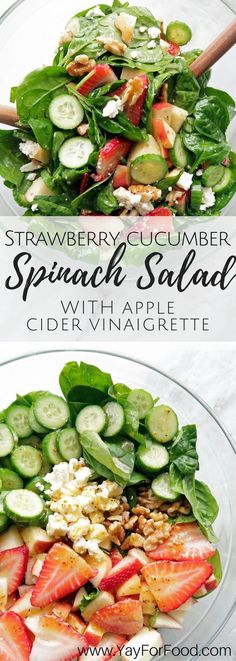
(157, 223)
(172, 583)
(93, 634)
(120, 573)
(63, 572)
(57, 641)
(121, 177)
(186, 542)
(84, 182)
(111, 645)
(111, 155)
(160, 211)
(15, 642)
(115, 556)
(173, 49)
(76, 622)
(13, 565)
(124, 617)
(134, 110)
(102, 74)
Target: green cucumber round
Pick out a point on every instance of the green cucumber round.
(162, 423)
(162, 489)
(75, 152)
(68, 444)
(196, 196)
(142, 400)
(212, 175)
(224, 183)
(10, 480)
(65, 112)
(179, 33)
(6, 440)
(51, 411)
(39, 429)
(26, 460)
(91, 418)
(18, 418)
(23, 506)
(115, 418)
(148, 168)
(50, 451)
(152, 458)
(178, 153)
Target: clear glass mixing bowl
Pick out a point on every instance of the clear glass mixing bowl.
(40, 371)
(30, 29)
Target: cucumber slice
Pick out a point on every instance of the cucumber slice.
(142, 400)
(115, 419)
(213, 175)
(152, 458)
(46, 466)
(162, 423)
(75, 152)
(226, 181)
(65, 112)
(196, 196)
(91, 418)
(162, 489)
(26, 460)
(148, 168)
(68, 444)
(51, 411)
(10, 480)
(23, 506)
(35, 424)
(18, 418)
(49, 447)
(6, 440)
(178, 153)
(179, 33)
(4, 520)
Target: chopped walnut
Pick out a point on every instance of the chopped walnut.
(82, 129)
(147, 499)
(133, 541)
(131, 523)
(157, 537)
(116, 533)
(80, 66)
(112, 45)
(147, 193)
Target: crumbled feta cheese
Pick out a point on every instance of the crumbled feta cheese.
(126, 199)
(199, 172)
(185, 181)
(96, 11)
(112, 108)
(57, 526)
(31, 166)
(134, 54)
(39, 486)
(164, 46)
(154, 32)
(29, 148)
(142, 29)
(143, 208)
(151, 44)
(208, 199)
(170, 189)
(34, 207)
(31, 177)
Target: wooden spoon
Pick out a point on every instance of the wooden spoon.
(210, 56)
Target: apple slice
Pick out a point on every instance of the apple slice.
(178, 117)
(36, 539)
(110, 648)
(93, 634)
(23, 606)
(10, 539)
(3, 592)
(164, 621)
(179, 613)
(30, 579)
(146, 639)
(33, 623)
(61, 609)
(102, 600)
(139, 555)
(22, 589)
(76, 622)
(38, 563)
(38, 187)
(102, 565)
(78, 598)
(132, 586)
(162, 131)
(162, 110)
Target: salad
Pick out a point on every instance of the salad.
(106, 532)
(119, 125)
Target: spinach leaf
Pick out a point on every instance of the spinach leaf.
(205, 149)
(204, 505)
(83, 374)
(131, 418)
(53, 205)
(225, 98)
(184, 518)
(88, 598)
(124, 451)
(183, 452)
(119, 391)
(211, 118)
(147, 110)
(34, 94)
(222, 199)
(11, 159)
(96, 448)
(191, 55)
(88, 199)
(186, 91)
(43, 131)
(176, 480)
(215, 561)
(136, 478)
(131, 495)
(106, 201)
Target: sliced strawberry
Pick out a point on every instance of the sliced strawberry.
(186, 542)
(121, 177)
(93, 634)
(172, 583)
(157, 223)
(13, 565)
(173, 49)
(115, 556)
(84, 182)
(111, 155)
(124, 617)
(14, 638)
(57, 641)
(110, 646)
(76, 622)
(133, 110)
(63, 572)
(120, 573)
(161, 211)
(102, 74)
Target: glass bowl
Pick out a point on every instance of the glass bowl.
(29, 33)
(40, 371)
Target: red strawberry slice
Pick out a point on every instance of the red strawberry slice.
(161, 211)
(172, 583)
(84, 182)
(173, 49)
(102, 74)
(124, 617)
(120, 573)
(15, 642)
(111, 155)
(111, 645)
(63, 571)
(13, 565)
(154, 224)
(186, 542)
(57, 641)
(134, 111)
(121, 177)
(115, 556)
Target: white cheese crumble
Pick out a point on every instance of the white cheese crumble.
(154, 32)
(199, 172)
(185, 181)
(96, 11)
(29, 148)
(34, 207)
(31, 166)
(170, 189)
(143, 208)
(31, 177)
(134, 54)
(126, 199)
(208, 199)
(112, 108)
(142, 29)
(151, 44)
